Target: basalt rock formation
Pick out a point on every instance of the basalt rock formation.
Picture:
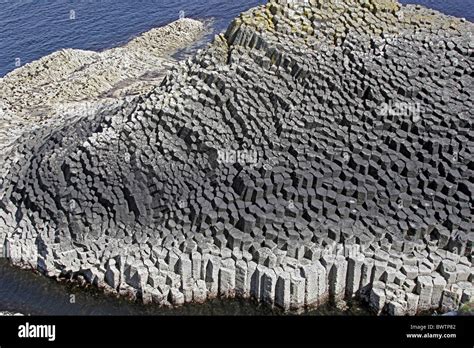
(73, 75)
(315, 152)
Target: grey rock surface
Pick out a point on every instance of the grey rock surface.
(314, 152)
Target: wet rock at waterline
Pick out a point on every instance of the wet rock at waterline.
(314, 152)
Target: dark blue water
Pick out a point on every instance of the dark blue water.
(30, 29)
(457, 8)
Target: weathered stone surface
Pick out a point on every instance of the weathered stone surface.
(337, 278)
(450, 300)
(241, 279)
(321, 152)
(297, 289)
(177, 297)
(116, 72)
(354, 275)
(412, 303)
(396, 308)
(212, 276)
(112, 275)
(200, 291)
(377, 300)
(439, 284)
(283, 290)
(424, 289)
(227, 278)
(269, 281)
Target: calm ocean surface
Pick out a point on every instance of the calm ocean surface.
(31, 29)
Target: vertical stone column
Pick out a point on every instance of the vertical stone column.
(256, 283)
(354, 274)
(112, 275)
(365, 278)
(337, 279)
(241, 281)
(309, 273)
(196, 261)
(212, 276)
(269, 280)
(204, 261)
(177, 298)
(251, 269)
(283, 290)
(377, 299)
(439, 283)
(185, 270)
(297, 291)
(200, 291)
(424, 288)
(322, 279)
(412, 303)
(227, 278)
(378, 270)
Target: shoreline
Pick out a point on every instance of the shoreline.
(90, 297)
(134, 201)
(114, 77)
(85, 288)
(74, 75)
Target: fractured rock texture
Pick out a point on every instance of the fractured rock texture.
(313, 152)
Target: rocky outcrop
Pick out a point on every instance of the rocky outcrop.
(73, 75)
(9, 314)
(68, 84)
(314, 152)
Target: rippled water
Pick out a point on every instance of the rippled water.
(31, 293)
(458, 8)
(30, 29)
